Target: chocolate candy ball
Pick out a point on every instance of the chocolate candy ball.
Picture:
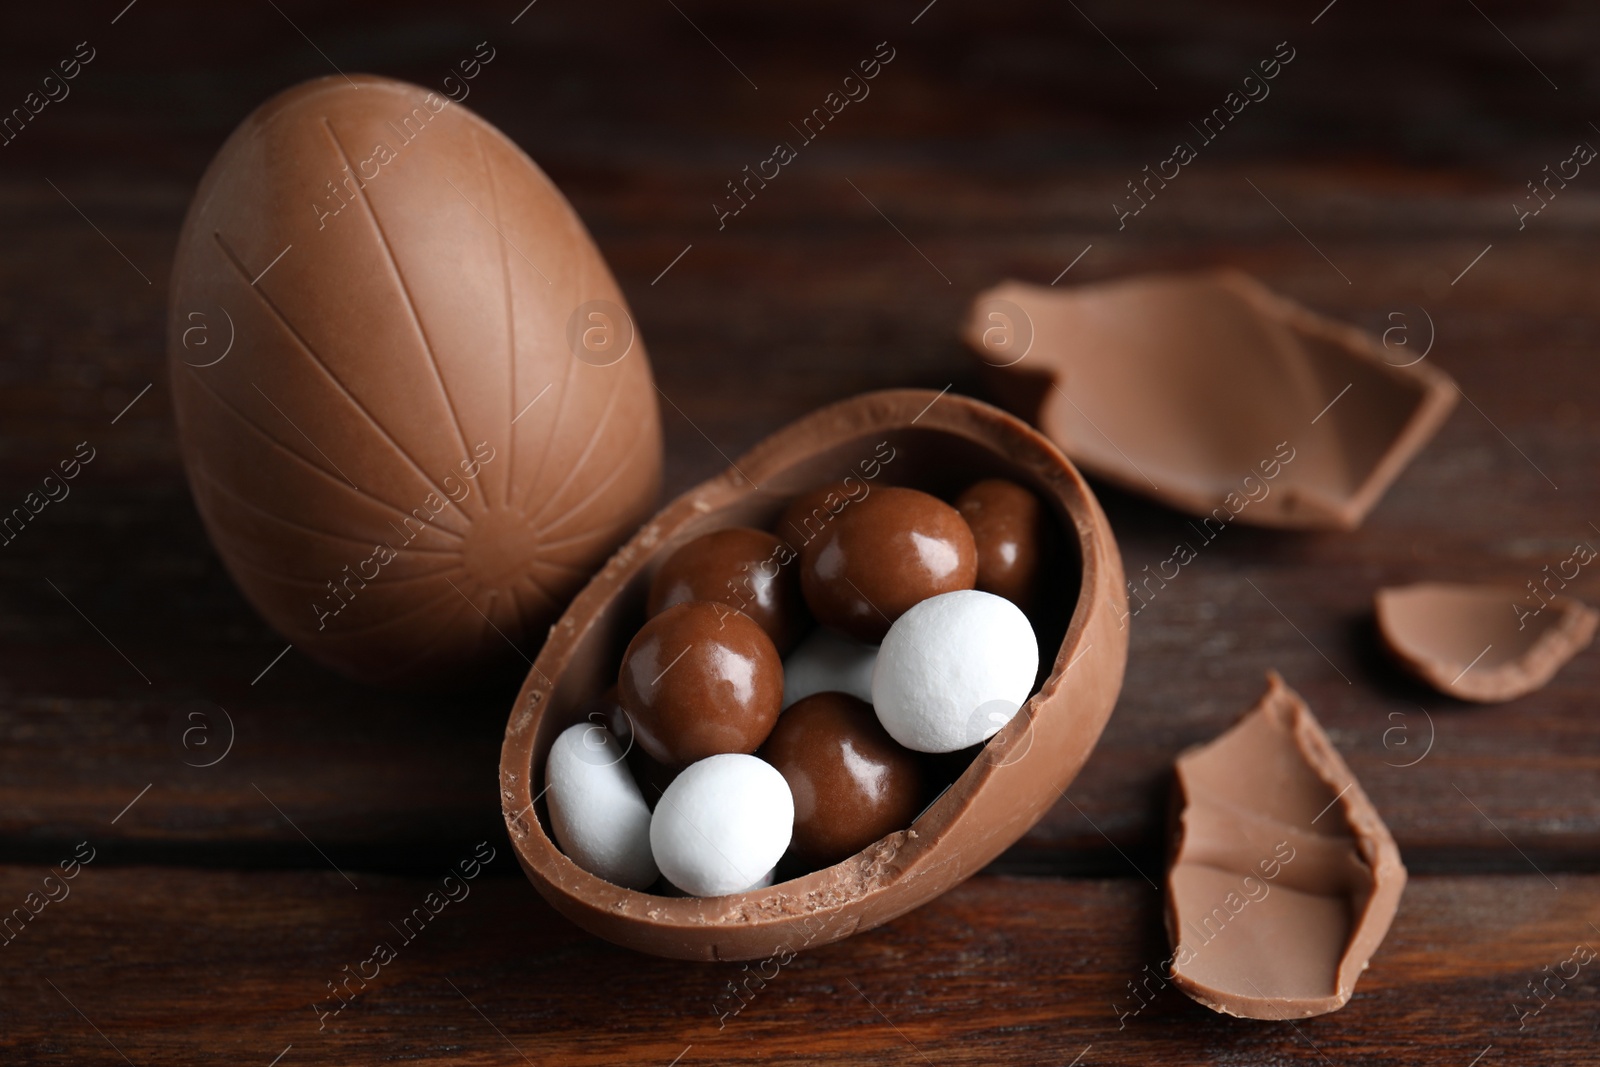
(750, 570)
(882, 554)
(698, 680)
(1012, 532)
(851, 782)
(812, 511)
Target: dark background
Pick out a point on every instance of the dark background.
(996, 141)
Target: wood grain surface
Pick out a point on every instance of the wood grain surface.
(1375, 184)
(222, 966)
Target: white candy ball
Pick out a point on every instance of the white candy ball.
(953, 670)
(722, 824)
(828, 662)
(599, 816)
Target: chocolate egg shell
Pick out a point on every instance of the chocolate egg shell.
(918, 438)
(1212, 394)
(1461, 640)
(698, 680)
(881, 555)
(851, 782)
(751, 570)
(396, 426)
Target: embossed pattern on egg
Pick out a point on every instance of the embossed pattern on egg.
(434, 417)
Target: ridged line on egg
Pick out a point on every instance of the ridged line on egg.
(305, 347)
(405, 291)
(313, 583)
(215, 484)
(511, 327)
(588, 450)
(334, 479)
(600, 487)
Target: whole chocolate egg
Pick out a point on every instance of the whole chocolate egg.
(414, 409)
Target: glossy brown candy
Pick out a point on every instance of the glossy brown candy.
(1010, 530)
(808, 515)
(700, 679)
(879, 556)
(810, 512)
(852, 783)
(751, 570)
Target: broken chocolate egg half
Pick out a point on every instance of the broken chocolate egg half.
(1212, 394)
(939, 444)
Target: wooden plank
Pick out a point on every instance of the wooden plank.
(1007, 168)
(352, 767)
(180, 966)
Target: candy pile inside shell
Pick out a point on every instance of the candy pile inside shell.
(701, 685)
(412, 404)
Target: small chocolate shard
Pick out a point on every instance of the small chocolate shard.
(1212, 394)
(1283, 878)
(1484, 643)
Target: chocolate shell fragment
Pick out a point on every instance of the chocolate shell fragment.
(1283, 879)
(1212, 394)
(1484, 643)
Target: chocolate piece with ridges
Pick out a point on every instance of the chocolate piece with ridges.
(1283, 878)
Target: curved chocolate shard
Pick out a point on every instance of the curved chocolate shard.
(1211, 394)
(1283, 878)
(1485, 643)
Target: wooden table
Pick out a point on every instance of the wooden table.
(1374, 184)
